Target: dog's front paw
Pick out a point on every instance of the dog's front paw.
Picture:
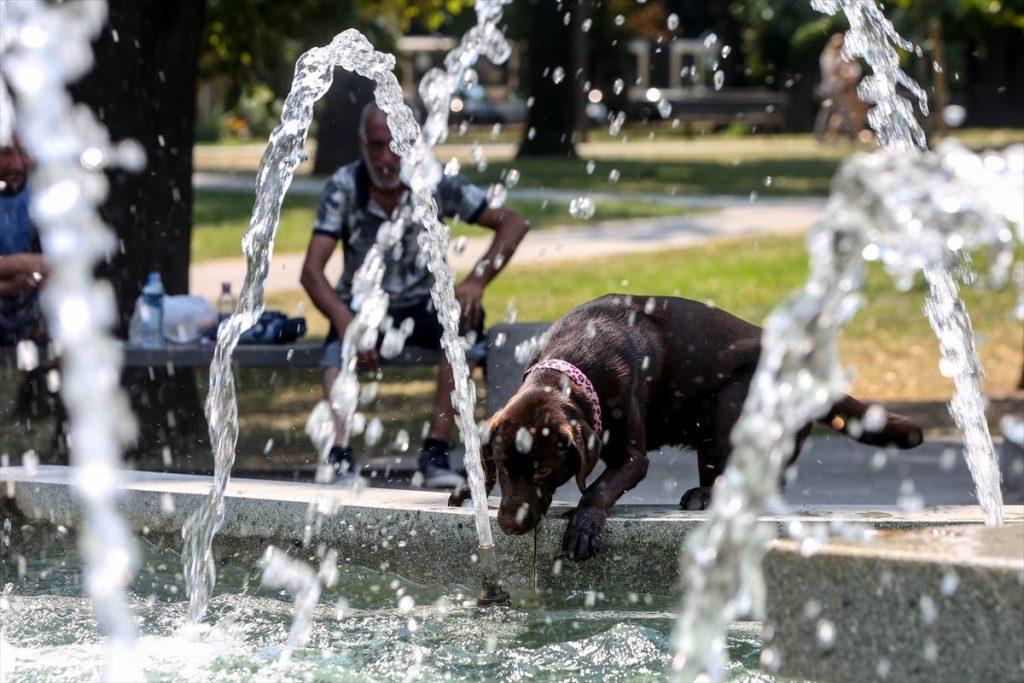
(582, 538)
(698, 498)
(459, 496)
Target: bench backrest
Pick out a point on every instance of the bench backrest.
(504, 371)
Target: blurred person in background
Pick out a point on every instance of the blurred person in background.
(22, 268)
(841, 109)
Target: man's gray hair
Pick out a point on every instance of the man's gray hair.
(371, 107)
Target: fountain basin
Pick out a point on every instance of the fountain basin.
(939, 604)
(413, 533)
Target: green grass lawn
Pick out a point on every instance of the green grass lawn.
(789, 176)
(889, 343)
(221, 218)
(771, 165)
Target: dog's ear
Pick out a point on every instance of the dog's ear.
(588, 448)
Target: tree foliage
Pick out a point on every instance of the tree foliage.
(256, 42)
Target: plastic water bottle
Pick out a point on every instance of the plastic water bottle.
(151, 311)
(225, 302)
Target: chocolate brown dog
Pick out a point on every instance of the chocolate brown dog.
(656, 371)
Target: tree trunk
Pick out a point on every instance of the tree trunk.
(143, 86)
(550, 121)
(339, 122)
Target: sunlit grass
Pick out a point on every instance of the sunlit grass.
(889, 344)
(221, 218)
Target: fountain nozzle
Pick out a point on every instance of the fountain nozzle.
(492, 594)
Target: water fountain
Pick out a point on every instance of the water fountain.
(914, 212)
(313, 76)
(961, 201)
(44, 48)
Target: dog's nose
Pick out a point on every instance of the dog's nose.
(516, 521)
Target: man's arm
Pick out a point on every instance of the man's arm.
(20, 273)
(313, 280)
(327, 301)
(509, 229)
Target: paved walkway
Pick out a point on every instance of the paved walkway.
(732, 217)
(832, 470)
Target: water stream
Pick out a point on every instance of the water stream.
(912, 211)
(313, 75)
(421, 172)
(44, 47)
(285, 151)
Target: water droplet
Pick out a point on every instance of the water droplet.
(875, 418)
(710, 40)
(511, 178)
(453, 167)
(500, 339)
(615, 125)
(582, 207)
(928, 610)
(496, 195)
(613, 175)
(664, 108)
(374, 431)
(590, 167)
(28, 355)
(618, 86)
(672, 22)
(585, 26)
(558, 75)
(719, 79)
(726, 50)
(826, 633)
(950, 582)
(878, 460)
(524, 440)
(402, 441)
(459, 245)
(30, 461)
(619, 20)
(406, 603)
(767, 181)
(510, 312)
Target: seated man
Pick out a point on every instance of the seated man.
(357, 199)
(22, 269)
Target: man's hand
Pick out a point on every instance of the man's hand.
(470, 295)
(20, 273)
(368, 360)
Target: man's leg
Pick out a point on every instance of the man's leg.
(434, 462)
(339, 456)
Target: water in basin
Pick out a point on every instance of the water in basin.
(385, 628)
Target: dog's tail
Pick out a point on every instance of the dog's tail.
(847, 416)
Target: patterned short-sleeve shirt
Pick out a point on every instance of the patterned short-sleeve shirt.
(347, 213)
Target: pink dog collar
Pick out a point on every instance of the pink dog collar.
(576, 375)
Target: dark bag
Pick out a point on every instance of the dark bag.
(273, 327)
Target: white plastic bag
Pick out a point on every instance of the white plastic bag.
(186, 318)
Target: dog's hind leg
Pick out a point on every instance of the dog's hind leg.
(713, 454)
(710, 464)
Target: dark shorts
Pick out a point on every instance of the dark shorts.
(426, 333)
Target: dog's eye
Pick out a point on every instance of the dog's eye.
(541, 473)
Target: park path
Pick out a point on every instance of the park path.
(730, 217)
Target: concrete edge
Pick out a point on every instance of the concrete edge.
(402, 530)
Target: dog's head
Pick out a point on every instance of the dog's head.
(539, 441)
